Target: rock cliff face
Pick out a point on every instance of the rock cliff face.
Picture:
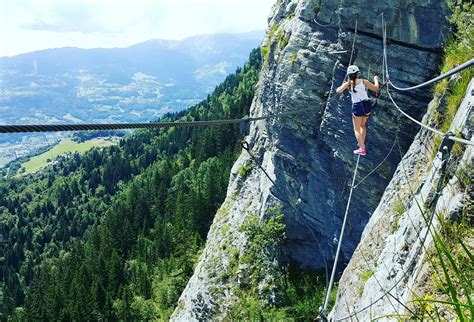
(309, 155)
(390, 261)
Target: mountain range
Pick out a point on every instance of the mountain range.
(137, 83)
(134, 84)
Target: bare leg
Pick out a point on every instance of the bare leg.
(356, 120)
(363, 128)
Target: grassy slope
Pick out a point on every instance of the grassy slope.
(65, 146)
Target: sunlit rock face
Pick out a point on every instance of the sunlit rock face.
(306, 50)
(391, 260)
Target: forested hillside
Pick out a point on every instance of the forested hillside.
(115, 233)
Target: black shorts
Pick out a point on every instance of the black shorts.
(362, 108)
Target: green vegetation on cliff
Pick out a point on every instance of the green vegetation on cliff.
(458, 49)
(270, 290)
(449, 293)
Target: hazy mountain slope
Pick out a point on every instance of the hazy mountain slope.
(140, 82)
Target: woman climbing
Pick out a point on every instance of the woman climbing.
(361, 106)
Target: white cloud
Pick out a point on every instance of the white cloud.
(27, 25)
(60, 18)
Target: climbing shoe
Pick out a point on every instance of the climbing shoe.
(360, 151)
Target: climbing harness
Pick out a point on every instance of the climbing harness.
(378, 93)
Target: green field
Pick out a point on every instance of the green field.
(67, 145)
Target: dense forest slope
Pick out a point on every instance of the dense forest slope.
(115, 233)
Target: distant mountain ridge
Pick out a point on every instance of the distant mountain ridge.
(140, 82)
(134, 84)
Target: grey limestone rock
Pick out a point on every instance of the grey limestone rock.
(391, 255)
(309, 155)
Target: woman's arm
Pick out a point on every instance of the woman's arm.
(375, 87)
(342, 88)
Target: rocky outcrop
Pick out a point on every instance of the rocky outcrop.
(309, 155)
(382, 276)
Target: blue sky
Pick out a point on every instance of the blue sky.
(28, 25)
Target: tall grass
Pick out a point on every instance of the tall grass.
(451, 260)
(458, 49)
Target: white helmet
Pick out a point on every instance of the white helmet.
(352, 69)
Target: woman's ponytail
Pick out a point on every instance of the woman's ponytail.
(352, 79)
